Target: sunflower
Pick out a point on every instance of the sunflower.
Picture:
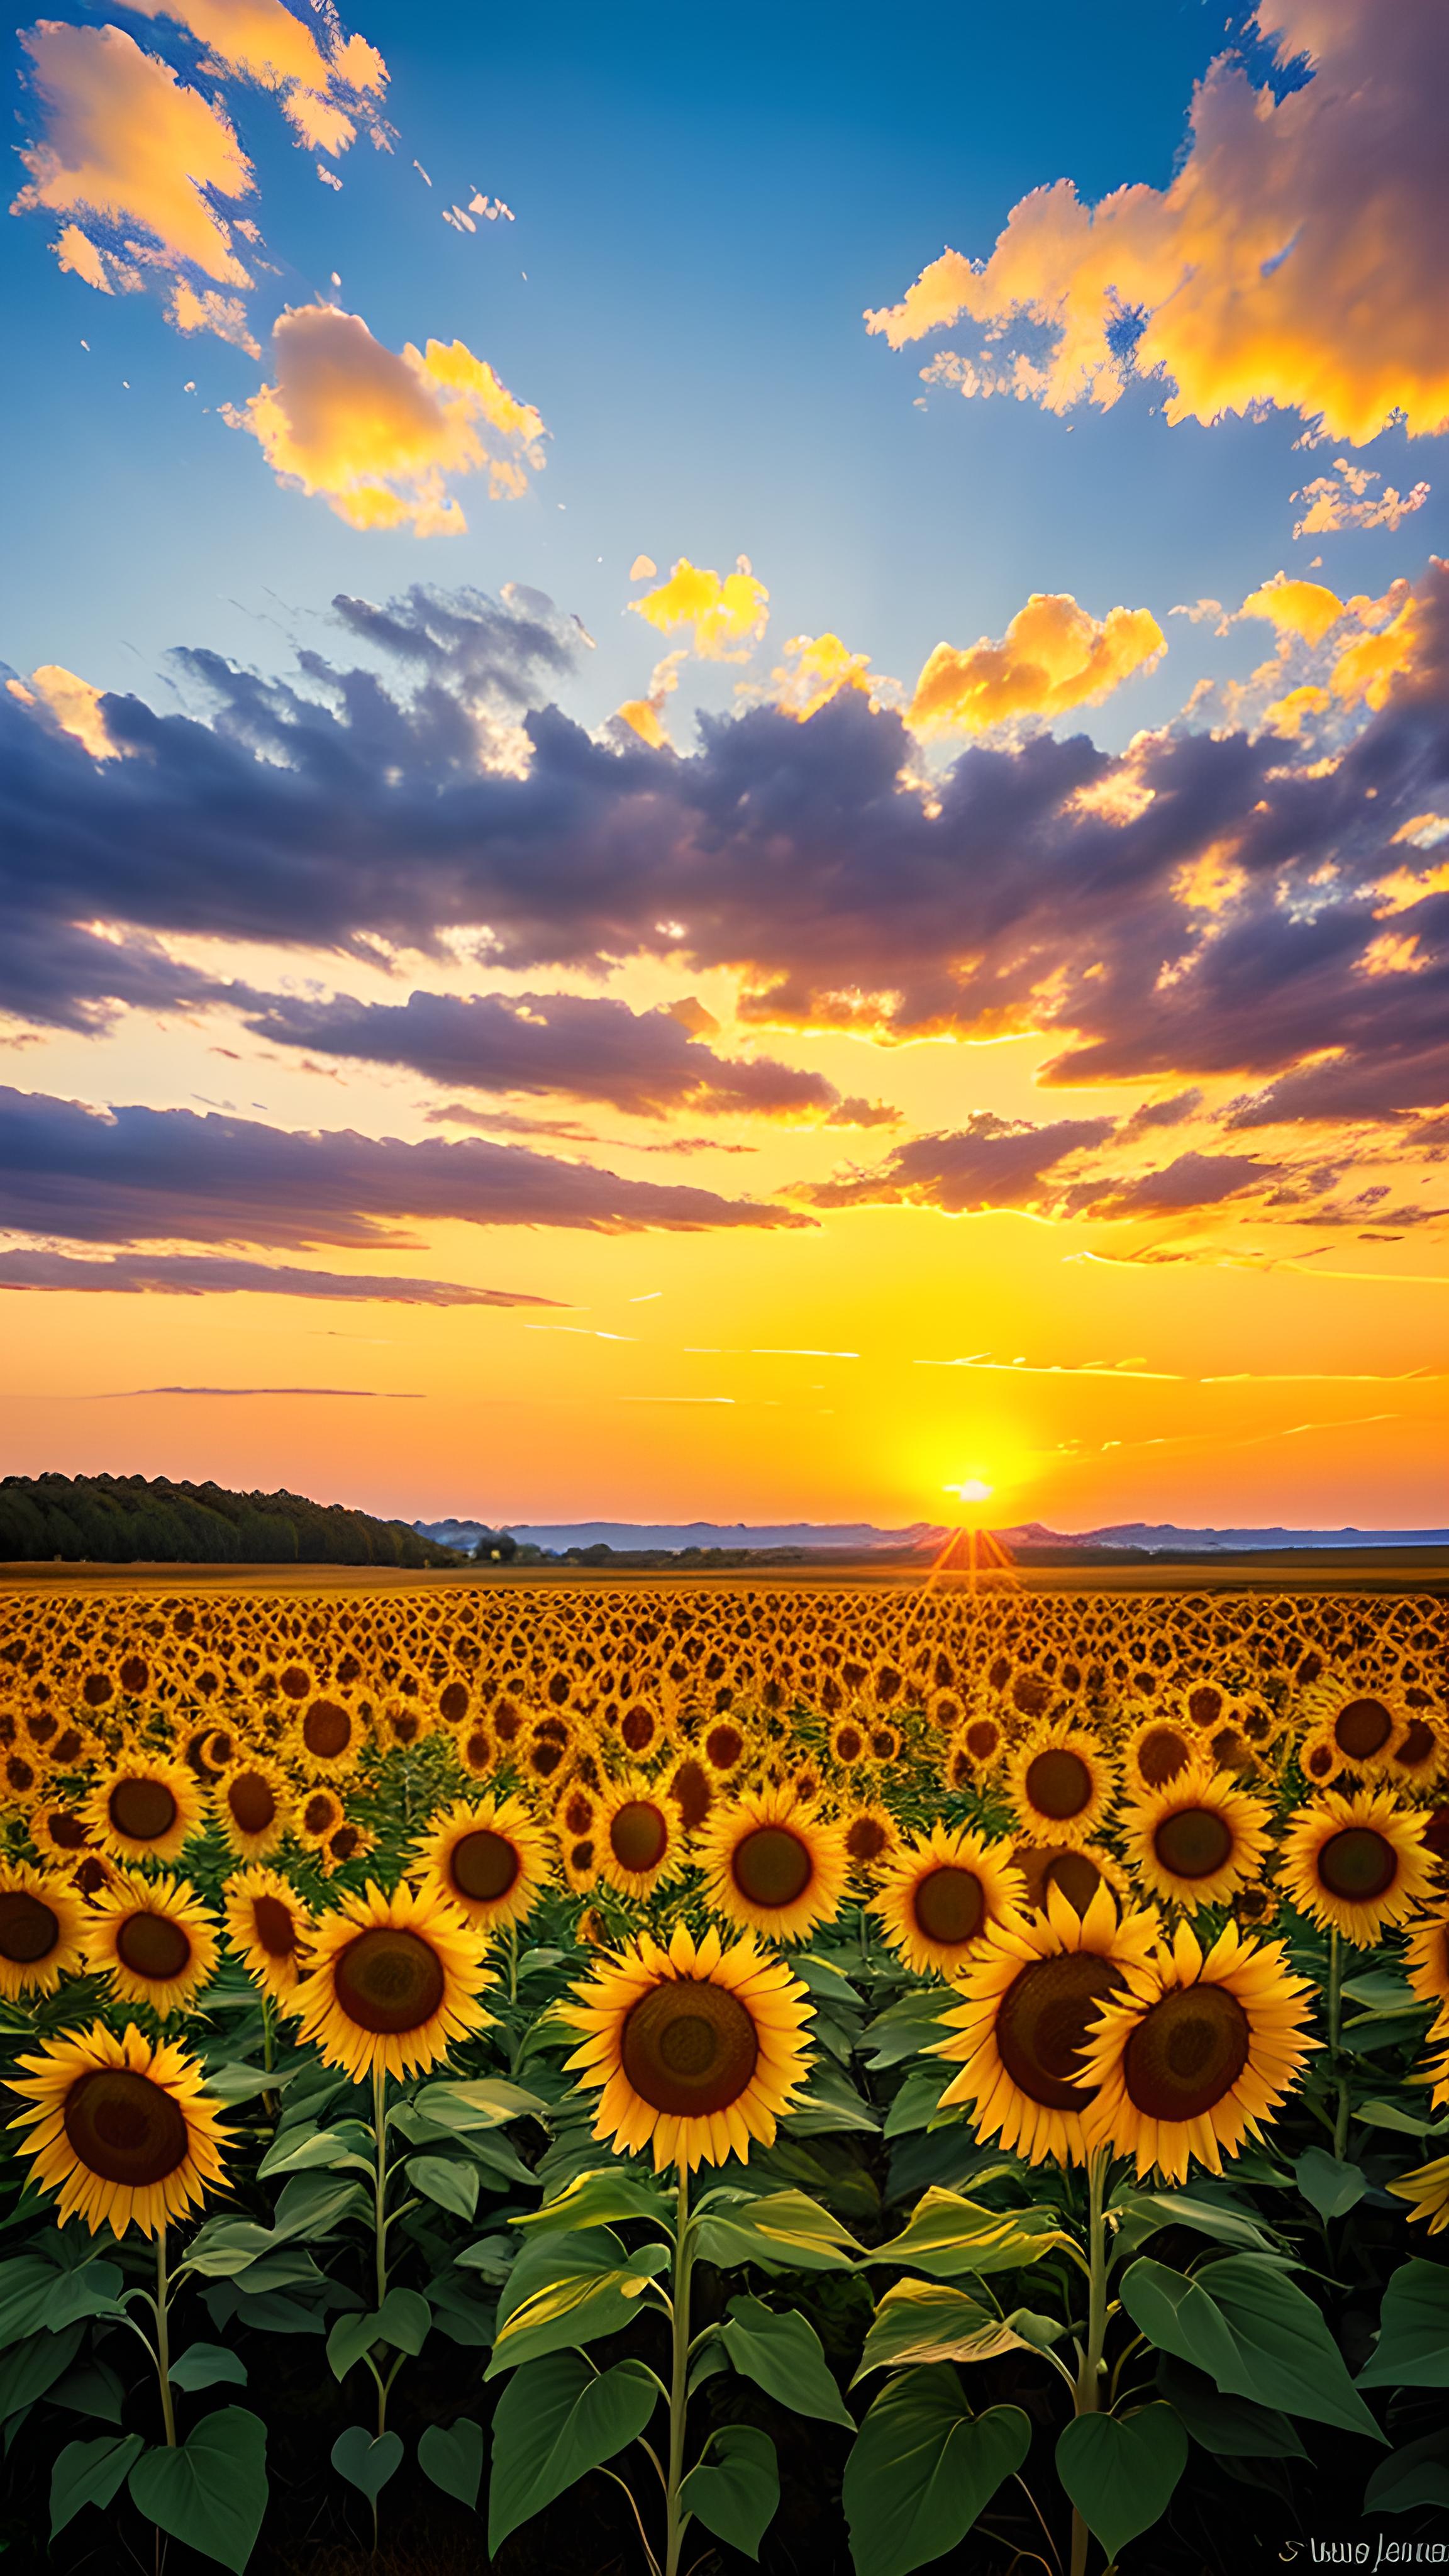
(326, 1736)
(120, 2129)
(59, 1831)
(1356, 1864)
(1426, 1960)
(1426, 2190)
(579, 1855)
(252, 1804)
(1157, 1749)
(1319, 1758)
(577, 1809)
(1030, 1997)
(638, 1836)
(641, 1730)
(318, 1813)
(885, 1742)
(490, 1861)
(1077, 1874)
(405, 1723)
(22, 1773)
(1061, 1784)
(62, 1742)
(849, 1742)
(147, 1808)
(938, 1895)
(724, 1746)
(692, 1791)
(772, 1865)
(346, 1842)
(1198, 1840)
(981, 1740)
(42, 1921)
(1420, 1749)
(1367, 1726)
(1197, 2054)
(154, 1939)
(1254, 1908)
(697, 2050)
(192, 1749)
(871, 1837)
(269, 1928)
(393, 1981)
(476, 1750)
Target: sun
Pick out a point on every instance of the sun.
(972, 1489)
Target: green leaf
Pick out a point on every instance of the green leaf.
(600, 2198)
(445, 2180)
(923, 2468)
(1244, 2323)
(556, 2420)
(235, 2084)
(89, 2473)
(33, 2366)
(452, 2456)
(918, 2100)
(1413, 2346)
(203, 2364)
(93, 2290)
(735, 2492)
(367, 2460)
(924, 2321)
(1416, 2475)
(906, 2027)
(92, 2388)
(830, 2106)
(1232, 2428)
(782, 2353)
(1326, 2185)
(311, 2204)
(1390, 2115)
(482, 2104)
(1140, 2214)
(946, 2235)
(318, 2151)
(569, 2312)
(36, 2294)
(211, 2491)
(226, 2246)
(1120, 2470)
(402, 2321)
(785, 2231)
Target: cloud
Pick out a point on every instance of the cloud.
(179, 1274)
(1301, 608)
(727, 613)
(642, 568)
(223, 315)
(136, 1175)
(128, 147)
(645, 716)
(1345, 504)
(366, 1394)
(1297, 260)
(646, 1063)
(815, 669)
(991, 1162)
(72, 704)
(378, 435)
(1054, 657)
(260, 41)
(1192, 1182)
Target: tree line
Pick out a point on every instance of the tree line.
(126, 1520)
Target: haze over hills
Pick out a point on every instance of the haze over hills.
(863, 1537)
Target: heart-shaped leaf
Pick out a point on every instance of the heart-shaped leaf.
(452, 2456)
(210, 2491)
(367, 2460)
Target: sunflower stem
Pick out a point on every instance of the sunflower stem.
(513, 1963)
(163, 2339)
(676, 2522)
(1342, 2099)
(379, 2213)
(1089, 2377)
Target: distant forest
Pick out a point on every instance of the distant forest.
(125, 1520)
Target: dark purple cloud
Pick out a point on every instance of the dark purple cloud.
(137, 1175)
(647, 1063)
(199, 1274)
(991, 1162)
(1191, 1181)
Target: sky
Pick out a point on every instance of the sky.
(725, 740)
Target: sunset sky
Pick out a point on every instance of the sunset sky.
(726, 758)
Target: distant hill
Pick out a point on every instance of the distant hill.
(129, 1520)
(861, 1538)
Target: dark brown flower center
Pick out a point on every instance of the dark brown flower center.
(724, 1745)
(125, 2128)
(865, 1838)
(1186, 2053)
(294, 1683)
(96, 1689)
(65, 1829)
(638, 1835)
(692, 1794)
(1418, 1745)
(689, 2047)
(849, 1744)
(135, 1674)
(483, 1865)
(453, 1703)
(1058, 1782)
(1194, 1843)
(1358, 1864)
(320, 1812)
(388, 1980)
(1362, 1728)
(637, 1728)
(326, 1730)
(1076, 1876)
(28, 1929)
(983, 1737)
(154, 1947)
(949, 1906)
(771, 1866)
(274, 1927)
(142, 1810)
(252, 1801)
(1042, 2023)
(1161, 1754)
(1205, 1704)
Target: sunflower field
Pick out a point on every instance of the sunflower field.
(668, 2076)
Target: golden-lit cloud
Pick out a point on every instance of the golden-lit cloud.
(377, 434)
(645, 716)
(1054, 656)
(1296, 260)
(262, 42)
(210, 310)
(815, 668)
(72, 705)
(1350, 502)
(727, 612)
(1302, 608)
(127, 145)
